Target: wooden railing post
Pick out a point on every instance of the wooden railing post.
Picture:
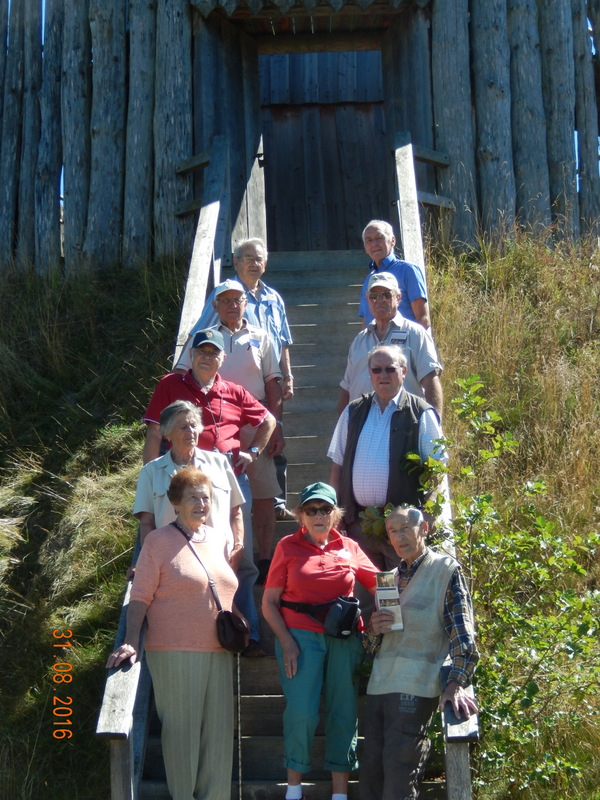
(209, 239)
(459, 735)
(407, 203)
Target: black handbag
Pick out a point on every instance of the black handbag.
(233, 632)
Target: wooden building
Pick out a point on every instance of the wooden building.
(311, 98)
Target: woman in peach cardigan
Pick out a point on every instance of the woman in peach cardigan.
(191, 673)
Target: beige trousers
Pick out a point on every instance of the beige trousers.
(194, 700)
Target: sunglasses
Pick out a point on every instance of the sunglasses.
(376, 295)
(379, 370)
(312, 511)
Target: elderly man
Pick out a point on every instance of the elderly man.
(379, 240)
(226, 408)
(404, 688)
(265, 308)
(390, 327)
(370, 443)
(251, 362)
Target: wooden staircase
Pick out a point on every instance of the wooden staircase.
(322, 292)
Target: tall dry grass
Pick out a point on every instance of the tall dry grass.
(526, 319)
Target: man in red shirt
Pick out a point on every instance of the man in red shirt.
(226, 408)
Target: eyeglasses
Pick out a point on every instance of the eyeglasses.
(312, 511)
(386, 295)
(208, 353)
(232, 301)
(252, 259)
(379, 370)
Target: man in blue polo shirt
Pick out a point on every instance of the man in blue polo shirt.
(379, 240)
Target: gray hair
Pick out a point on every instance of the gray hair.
(379, 223)
(393, 351)
(256, 241)
(169, 414)
(415, 515)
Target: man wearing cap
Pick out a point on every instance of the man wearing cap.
(379, 240)
(265, 309)
(388, 326)
(370, 444)
(251, 362)
(226, 408)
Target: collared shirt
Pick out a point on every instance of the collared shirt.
(459, 622)
(155, 476)
(370, 473)
(308, 573)
(413, 340)
(226, 407)
(411, 282)
(267, 311)
(250, 358)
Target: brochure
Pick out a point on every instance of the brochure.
(386, 596)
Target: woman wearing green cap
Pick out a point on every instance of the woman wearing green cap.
(310, 569)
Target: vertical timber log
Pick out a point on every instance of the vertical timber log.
(102, 244)
(452, 113)
(172, 126)
(3, 52)
(254, 198)
(491, 80)
(406, 61)
(558, 84)
(10, 158)
(31, 131)
(528, 119)
(76, 94)
(593, 12)
(49, 165)
(139, 160)
(586, 121)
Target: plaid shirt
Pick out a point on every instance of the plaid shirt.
(459, 623)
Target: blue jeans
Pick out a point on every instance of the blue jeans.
(329, 662)
(247, 572)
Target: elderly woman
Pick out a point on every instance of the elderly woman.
(181, 425)
(191, 673)
(314, 566)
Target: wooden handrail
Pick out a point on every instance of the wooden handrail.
(209, 239)
(124, 714)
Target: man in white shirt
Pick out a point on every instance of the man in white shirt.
(390, 327)
(372, 438)
(251, 362)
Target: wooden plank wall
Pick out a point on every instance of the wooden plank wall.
(226, 101)
(326, 162)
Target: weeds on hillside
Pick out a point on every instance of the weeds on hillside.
(538, 622)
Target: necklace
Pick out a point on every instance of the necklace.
(191, 536)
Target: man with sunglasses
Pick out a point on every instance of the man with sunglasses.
(379, 240)
(371, 441)
(388, 326)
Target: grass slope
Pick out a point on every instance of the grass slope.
(79, 358)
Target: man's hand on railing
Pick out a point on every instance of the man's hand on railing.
(460, 700)
(122, 653)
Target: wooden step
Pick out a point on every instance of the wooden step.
(283, 261)
(313, 312)
(274, 790)
(298, 423)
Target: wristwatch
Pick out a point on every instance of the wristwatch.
(254, 451)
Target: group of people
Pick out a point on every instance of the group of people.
(217, 491)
